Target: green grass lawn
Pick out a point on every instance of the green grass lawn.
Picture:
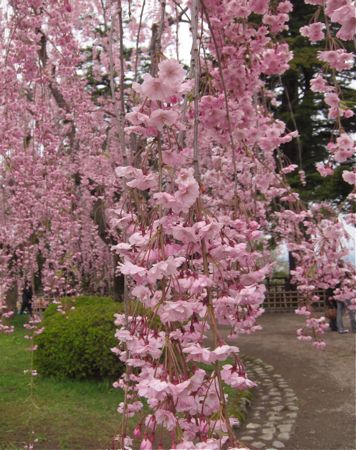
(61, 414)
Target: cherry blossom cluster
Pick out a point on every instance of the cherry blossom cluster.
(170, 177)
(51, 159)
(193, 219)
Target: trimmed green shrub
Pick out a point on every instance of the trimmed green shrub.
(77, 344)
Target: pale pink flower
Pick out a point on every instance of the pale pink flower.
(127, 268)
(164, 268)
(332, 99)
(136, 117)
(196, 352)
(346, 16)
(319, 345)
(332, 5)
(277, 23)
(139, 181)
(143, 182)
(342, 154)
(146, 444)
(171, 71)
(303, 311)
(164, 199)
(175, 311)
(348, 113)
(319, 84)
(349, 177)
(289, 168)
(285, 7)
(259, 6)
(275, 61)
(233, 379)
(166, 419)
(156, 88)
(324, 170)
(185, 234)
(126, 171)
(154, 389)
(345, 141)
(337, 59)
(224, 351)
(188, 189)
(161, 117)
(313, 32)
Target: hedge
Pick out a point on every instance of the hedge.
(77, 344)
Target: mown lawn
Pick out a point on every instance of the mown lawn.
(61, 414)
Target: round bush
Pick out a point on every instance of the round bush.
(77, 344)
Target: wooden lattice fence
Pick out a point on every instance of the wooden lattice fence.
(283, 297)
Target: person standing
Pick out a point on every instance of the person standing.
(331, 309)
(341, 307)
(27, 298)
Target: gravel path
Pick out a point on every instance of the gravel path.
(306, 398)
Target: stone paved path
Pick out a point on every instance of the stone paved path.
(320, 384)
(274, 409)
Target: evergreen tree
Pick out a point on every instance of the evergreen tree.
(306, 111)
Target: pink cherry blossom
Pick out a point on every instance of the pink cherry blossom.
(159, 118)
(349, 177)
(232, 378)
(166, 419)
(332, 99)
(259, 6)
(314, 32)
(188, 189)
(319, 84)
(146, 444)
(156, 88)
(346, 16)
(337, 59)
(324, 170)
(171, 71)
(127, 268)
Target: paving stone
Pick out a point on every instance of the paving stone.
(292, 415)
(284, 436)
(280, 408)
(252, 426)
(293, 408)
(246, 438)
(267, 437)
(258, 444)
(278, 444)
(273, 418)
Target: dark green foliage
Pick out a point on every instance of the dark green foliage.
(305, 110)
(77, 344)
